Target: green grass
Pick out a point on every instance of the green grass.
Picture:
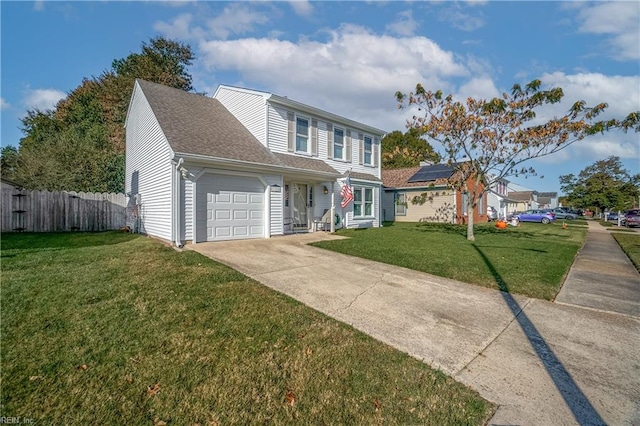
(113, 328)
(630, 244)
(531, 259)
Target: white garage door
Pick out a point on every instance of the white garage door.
(230, 207)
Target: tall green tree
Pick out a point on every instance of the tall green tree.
(80, 144)
(489, 140)
(406, 150)
(604, 185)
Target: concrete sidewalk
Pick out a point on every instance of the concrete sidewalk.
(543, 363)
(602, 276)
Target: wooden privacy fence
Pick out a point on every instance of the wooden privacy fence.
(44, 211)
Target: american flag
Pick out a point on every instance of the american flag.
(346, 193)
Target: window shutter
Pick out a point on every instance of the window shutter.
(376, 146)
(348, 146)
(329, 140)
(361, 145)
(314, 137)
(291, 132)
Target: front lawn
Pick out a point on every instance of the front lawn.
(630, 244)
(114, 328)
(532, 259)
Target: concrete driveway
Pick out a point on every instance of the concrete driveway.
(543, 363)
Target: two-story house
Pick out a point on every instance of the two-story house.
(244, 164)
(498, 198)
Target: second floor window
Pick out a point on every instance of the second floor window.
(368, 150)
(338, 144)
(302, 135)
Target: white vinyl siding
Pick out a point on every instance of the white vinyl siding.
(276, 204)
(278, 138)
(188, 210)
(248, 108)
(148, 166)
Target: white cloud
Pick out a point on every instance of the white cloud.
(479, 88)
(38, 5)
(620, 20)
(4, 104)
(42, 99)
(179, 28)
(236, 18)
(461, 20)
(302, 7)
(621, 93)
(603, 147)
(404, 25)
(354, 73)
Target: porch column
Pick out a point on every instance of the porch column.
(333, 209)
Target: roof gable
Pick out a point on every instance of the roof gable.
(200, 125)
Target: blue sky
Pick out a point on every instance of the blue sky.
(346, 57)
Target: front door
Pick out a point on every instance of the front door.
(299, 192)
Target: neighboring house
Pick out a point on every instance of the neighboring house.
(524, 200)
(244, 164)
(423, 194)
(498, 198)
(547, 200)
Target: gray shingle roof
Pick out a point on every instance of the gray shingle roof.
(362, 176)
(521, 195)
(304, 163)
(196, 124)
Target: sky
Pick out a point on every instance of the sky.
(349, 58)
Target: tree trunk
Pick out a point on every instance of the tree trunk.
(470, 210)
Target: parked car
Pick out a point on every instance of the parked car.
(611, 217)
(575, 212)
(560, 213)
(632, 218)
(536, 216)
(492, 213)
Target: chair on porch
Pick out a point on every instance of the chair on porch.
(323, 223)
(287, 225)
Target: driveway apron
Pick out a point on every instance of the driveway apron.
(542, 363)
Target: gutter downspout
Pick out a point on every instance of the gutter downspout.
(333, 209)
(176, 205)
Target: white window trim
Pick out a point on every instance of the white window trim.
(296, 134)
(362, 203)
(344, 143)
(364, 150)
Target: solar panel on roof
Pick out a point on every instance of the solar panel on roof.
(431, 173)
